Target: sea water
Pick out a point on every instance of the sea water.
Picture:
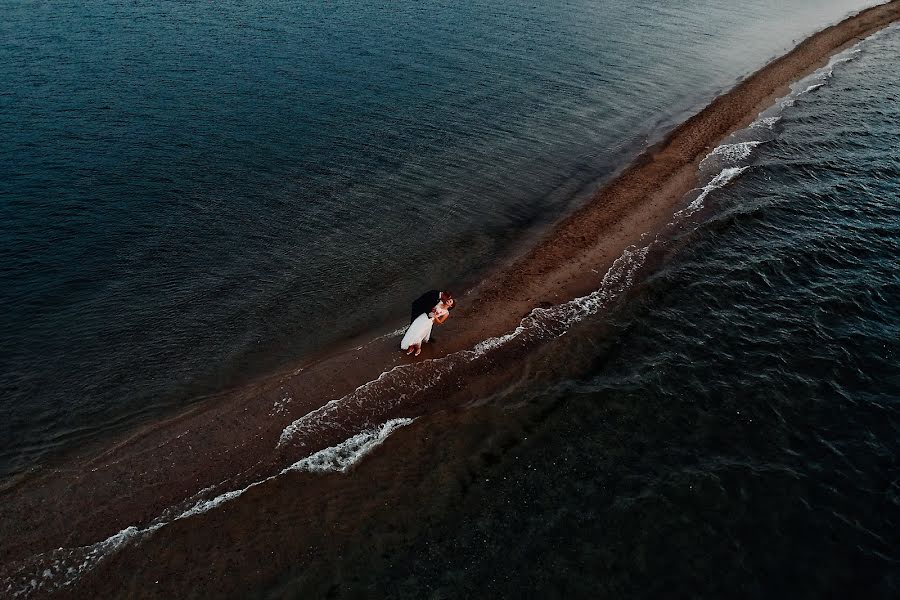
(195, 194)
(731, 428)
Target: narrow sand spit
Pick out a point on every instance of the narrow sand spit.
(236, 438)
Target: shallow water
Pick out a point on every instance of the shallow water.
(187, 191)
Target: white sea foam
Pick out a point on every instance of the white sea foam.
(395, 385)
(813, 86)
(810, 83)
(786, 102)
(280, 405)
(56, 569)
(819, 77)
(378, 396)
(207, 505)
(724, 177)
(337, 458)
(765, 122)
(392, 334)
(732, 152)
(618, 279)
(485, 346)
(727, 158)
(341, 457)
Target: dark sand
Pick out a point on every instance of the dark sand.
(307, 520)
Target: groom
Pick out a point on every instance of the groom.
(427, 301)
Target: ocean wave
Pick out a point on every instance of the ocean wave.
(341, 457)
(724, 177)
(51, 571)
(731, 153)
(395, 384)
(728, 160)
(373, 399)
(765, 122)
(819, 77)
(338, 458)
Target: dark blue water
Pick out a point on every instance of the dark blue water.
(193, 194)
(731, 430)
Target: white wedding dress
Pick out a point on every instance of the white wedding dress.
(420, 329)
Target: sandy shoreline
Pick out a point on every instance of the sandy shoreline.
(233, 437)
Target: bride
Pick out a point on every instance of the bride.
(420, 329)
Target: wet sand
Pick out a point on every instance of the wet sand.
(232, 440)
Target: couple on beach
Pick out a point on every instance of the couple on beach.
(431, 307)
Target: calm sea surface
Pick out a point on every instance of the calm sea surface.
(731, 431)
(194, 193)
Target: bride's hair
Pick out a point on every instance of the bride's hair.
(449, 303)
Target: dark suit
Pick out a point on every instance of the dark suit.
(424, 304)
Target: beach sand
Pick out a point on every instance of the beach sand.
(236, 438)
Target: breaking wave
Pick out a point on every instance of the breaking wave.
(59, 568)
